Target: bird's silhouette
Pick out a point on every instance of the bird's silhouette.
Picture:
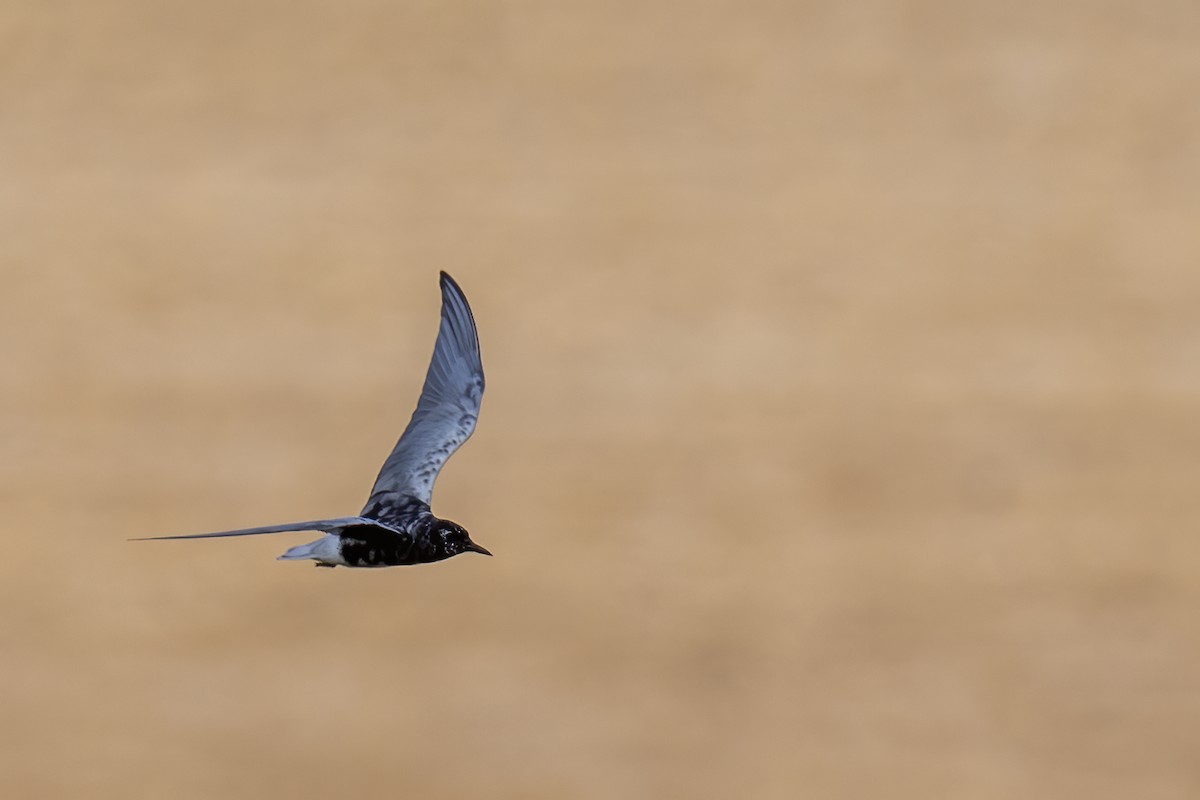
(396, 526)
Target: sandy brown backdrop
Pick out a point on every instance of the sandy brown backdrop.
(841, 437)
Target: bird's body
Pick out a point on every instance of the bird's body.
(396, 526)
(373, 545)
(414, 538)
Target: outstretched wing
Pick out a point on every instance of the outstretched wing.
(326, 525)
(445, 415)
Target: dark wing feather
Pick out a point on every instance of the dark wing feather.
(445, 415)
(326, 525)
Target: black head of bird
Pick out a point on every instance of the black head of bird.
(450, 539)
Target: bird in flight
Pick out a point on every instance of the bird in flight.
(396, 526)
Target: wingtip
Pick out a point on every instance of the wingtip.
(454, 296)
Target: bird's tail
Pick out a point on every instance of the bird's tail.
(299, 551)
(324, 549)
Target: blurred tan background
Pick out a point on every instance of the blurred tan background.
(840, 438)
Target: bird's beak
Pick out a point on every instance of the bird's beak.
(474, 548)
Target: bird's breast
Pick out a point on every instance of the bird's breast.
(373, 547)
